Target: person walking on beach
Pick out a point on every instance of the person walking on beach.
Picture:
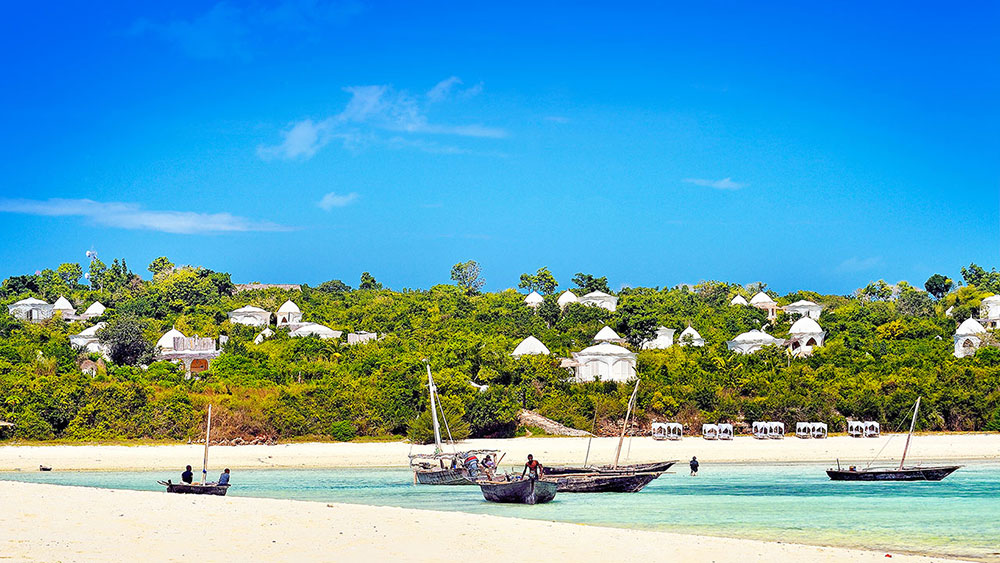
(694, 466)
(187, 476)
(534, 466)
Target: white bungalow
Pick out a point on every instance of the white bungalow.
(805, 308)
(664, 339)
(87, 340)
(566, 298)
(530, 346)
(65, 309)
(948, 311)
(738, 300)
(263, 335)
(668, 430)
(989, 312)
(250, 316)
(600, 299)
(166, 342)
(690, 337)
(710, 431)
(605, 362)
(315, 329)
(31, 310)
(764, 302)
(196, 353)
(95, 310)
(726, 431)
(968, 338)
(289, 314)
(805, 335)
(607, 334)
(855, 428)
(361, 337)
(534, 300)
(752, 341)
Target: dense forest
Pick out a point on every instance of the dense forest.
(886, 345)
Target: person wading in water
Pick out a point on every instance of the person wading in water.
(694, 466)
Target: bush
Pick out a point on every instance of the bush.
(421, 430)
(343, 431)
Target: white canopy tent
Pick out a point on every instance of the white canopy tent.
(872, 429)
(667, 430)
(726, 431)
(759, 430)
(776, 430)
(710, 431)
(803, 430)
(855, 428)
(819, 430)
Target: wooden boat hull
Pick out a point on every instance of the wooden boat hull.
(526, 491)
(604, 483)
(905, 474)
(443, 477)
(657, 466)
(196, 489)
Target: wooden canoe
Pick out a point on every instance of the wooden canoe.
(195, 488)
(657, 466)
(443, 477)
(525, 491)
(604, 482)
(893, 474)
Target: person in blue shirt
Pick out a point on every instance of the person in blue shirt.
(187, 476)
(224, 478)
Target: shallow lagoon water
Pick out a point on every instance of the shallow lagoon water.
(959, 516)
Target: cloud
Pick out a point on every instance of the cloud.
(380, 108)
(723, 184)
(133, 217)
(332, 199)
(855, 264)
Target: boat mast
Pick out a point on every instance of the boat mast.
(434, 417)
(628, 412)
(913, 423)
(208, 436)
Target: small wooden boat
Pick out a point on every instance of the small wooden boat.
(44, 468)
(657, 466)
(442, 477)
(604, 482)
(195, 488)
(525, 491)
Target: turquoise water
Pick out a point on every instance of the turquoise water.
(959, 516)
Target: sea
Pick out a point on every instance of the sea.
(797, 503)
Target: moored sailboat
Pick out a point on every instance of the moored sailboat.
(202, 488)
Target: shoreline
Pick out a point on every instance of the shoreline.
(50, 522)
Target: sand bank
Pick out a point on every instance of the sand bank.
(48, 523)
(955, 447)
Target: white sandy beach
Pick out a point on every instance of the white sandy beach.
(954, 447)
(50, 523)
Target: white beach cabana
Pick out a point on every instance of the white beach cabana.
(664, 339)
(738, 300)
(968, 338)
(263, 335)
(600, 299)
(690, 337)
(64, 308)
(805, 335)
(803, 430)
(872, 429)
(250, 316)
(726, 431)
(764, 302)
(607, 334)
(805, 308)
(534, 300)
(530, 346)
(288, 314)
(710, 431)
(315, 329)
(776, 430)
(819, 430)
(95, 310)
(752, 341)
(759, 430)
(566, 298)
(604, 362)
(668, 430)
(855, 428)
(31, 310)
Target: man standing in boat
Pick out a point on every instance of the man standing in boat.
(534, 466)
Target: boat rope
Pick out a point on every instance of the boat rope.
(899, 427)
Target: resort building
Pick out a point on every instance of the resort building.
(31, 310)
(87, 340)
(764, 302)
(289, 315)
(255, 286)
(530, 346)
(752, 341)
(607, 334)
(166, 342)
(968, 338)
(566, 298)
(600, 299)
(690, 337)
(989, 312)
(314, 329)
(263, 335)
(534, 300)
(65, 309)
(250, 316)
(738, 300)
(604, 362)
(805, 335)
(195, 353)
(804, 308)
(664, 339)
(95, 310)
(361, 337)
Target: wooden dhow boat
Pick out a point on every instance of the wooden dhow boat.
(603, 482)
(523, 491)
(654, 467)
(202, 488)
(901, 473)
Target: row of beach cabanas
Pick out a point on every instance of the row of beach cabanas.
(766, 430)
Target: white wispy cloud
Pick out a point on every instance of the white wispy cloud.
(333, 199)
(855, 264)
(723, 184)
(380, 108)
(132, 216)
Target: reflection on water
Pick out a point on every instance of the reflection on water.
(958, 516)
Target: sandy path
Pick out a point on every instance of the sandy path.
(49, 523)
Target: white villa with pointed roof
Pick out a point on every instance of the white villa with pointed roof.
(968, 338)
(604, 362)
(764, 302)
(989, 312)
(87, 340)
(31, 310)
(690, 337)
(752, 341)
(530, 346)
(607, 334)
(95, 310)
(534, 300)
(804, 308)
(600, 299)
(65, 309)
(566, 298)
(664, 339)
(250, 316)
(738, 300)
(315, 329)
(804, 336)
(289, 314)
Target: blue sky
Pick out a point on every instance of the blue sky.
(806, 146)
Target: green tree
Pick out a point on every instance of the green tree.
(938, 285)
(368, 282)
(70, 273)
(466, 275)
(126, 342)
(96, 273)
(875, 291)
(588, 283)
(979, 277)
(541, 281)
(160, 265)
(334, 286)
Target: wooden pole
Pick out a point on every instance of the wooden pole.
(434, 415)
(593, 427)
(628, 412)
(208, 439)
(913, 423)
